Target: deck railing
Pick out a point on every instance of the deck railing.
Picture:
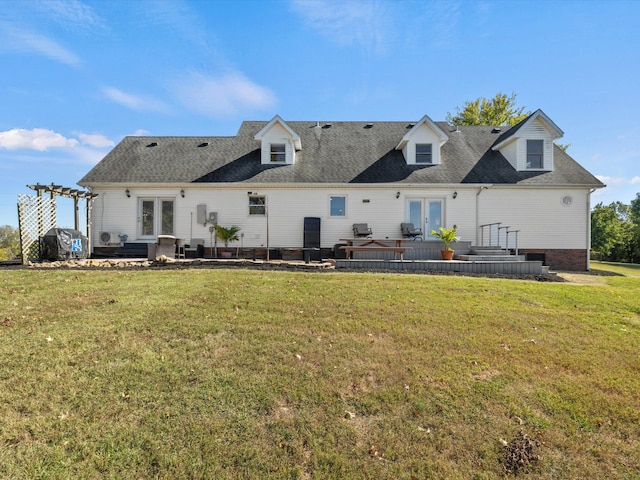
(494, 236)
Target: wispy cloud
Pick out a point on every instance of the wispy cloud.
(221, 96)
(18, 40)
(140, 133)
(69, 13)
(95, 140)
(177, 16)
(39, 139)
(618, 181)
(447, 16)
(87, 155)
(365, 23)
(622, 189)
(134, 102)
(87, 149)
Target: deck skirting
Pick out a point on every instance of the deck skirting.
(487, 267)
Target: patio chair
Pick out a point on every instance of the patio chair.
(195, 242)
(195, 247)
(361, 230)
(408, 231)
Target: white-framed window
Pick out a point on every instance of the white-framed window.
(278, 153)
(257, 205)
(156, 216)
(535, 154)
(424, 153)
(337, 206)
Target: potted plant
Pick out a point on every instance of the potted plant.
(448, 236)
(227, 234)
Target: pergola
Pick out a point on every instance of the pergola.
(37, 215)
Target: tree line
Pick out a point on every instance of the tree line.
(615, 231)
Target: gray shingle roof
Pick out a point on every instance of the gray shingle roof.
(345, 152)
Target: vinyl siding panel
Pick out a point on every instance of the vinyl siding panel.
(510, 152)
(287, 208)
(541, 217)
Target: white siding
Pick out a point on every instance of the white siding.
(113, 211)
(461, 212)
(287, 208)
(540, 215)
(510, 152)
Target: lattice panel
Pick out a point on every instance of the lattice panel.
(36, 216)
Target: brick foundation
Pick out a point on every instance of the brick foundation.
(557, 259)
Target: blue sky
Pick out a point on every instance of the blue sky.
(77, 76)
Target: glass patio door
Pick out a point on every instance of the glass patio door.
(425, 213)
(156, 217)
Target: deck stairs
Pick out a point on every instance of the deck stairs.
(490, 254)
(494, 254)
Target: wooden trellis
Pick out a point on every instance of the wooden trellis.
(37, 215)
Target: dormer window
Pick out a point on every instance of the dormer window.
(529, 144)
(535, 154)
(278, 153)
(424, 153)
(278, 143)
(422, 144)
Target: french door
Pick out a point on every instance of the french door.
(155, 217)
(425, 213)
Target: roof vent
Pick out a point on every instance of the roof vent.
(326, 125)
(153, 144)
(204, 144)
(496, 130)
(369, 125)
(410, 125)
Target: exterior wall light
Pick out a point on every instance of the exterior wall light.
(455, 194)
(127, 193)
(182, 193)
(398, 195)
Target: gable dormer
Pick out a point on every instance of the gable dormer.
(421, 145)
(278, 143)
(528, 146)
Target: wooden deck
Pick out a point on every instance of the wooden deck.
(425, 256)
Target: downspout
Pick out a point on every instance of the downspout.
(589, 229)
(483, 188)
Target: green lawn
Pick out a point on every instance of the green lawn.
(228, 374)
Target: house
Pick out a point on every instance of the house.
(271, 176)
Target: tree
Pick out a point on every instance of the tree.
(500, 110)
(634, 210)
(613, 234)
(9, 242)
